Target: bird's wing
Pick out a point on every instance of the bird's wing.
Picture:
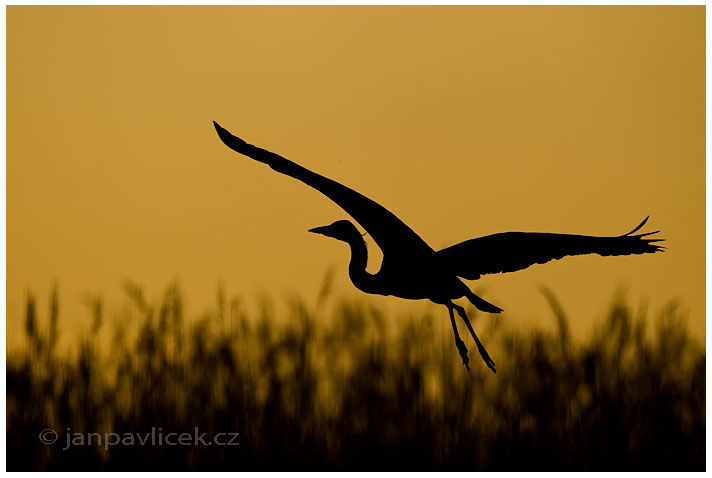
(513, 251)
(391, 234)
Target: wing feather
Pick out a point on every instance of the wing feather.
(513, 251)
(392, 235)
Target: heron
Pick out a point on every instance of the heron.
(411, 269)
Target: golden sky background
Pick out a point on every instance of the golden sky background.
(463, 121)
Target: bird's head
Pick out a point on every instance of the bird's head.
(342, 230)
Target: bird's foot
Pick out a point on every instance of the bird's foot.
(485, 356)
(463, 353)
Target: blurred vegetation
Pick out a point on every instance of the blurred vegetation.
(341, 388)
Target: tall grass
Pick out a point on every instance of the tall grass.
(344, 387)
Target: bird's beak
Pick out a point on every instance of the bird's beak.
(323, 230)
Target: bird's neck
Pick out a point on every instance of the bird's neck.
(357, 267)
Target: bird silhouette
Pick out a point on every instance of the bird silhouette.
(411, 269)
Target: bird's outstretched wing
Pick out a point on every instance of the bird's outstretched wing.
(513, 251)
(392, 235)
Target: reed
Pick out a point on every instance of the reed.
(343, 387)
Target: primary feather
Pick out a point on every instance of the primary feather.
(513, 251)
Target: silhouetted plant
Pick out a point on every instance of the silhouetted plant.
(342, 386)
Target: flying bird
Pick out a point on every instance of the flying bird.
(411, 269)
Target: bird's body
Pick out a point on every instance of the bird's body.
(411, 269)
(417, 276)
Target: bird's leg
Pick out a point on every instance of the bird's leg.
(458, 341)
(485, 356)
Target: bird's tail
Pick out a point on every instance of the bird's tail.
(482, 304)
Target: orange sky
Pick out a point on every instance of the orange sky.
(463, 121)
